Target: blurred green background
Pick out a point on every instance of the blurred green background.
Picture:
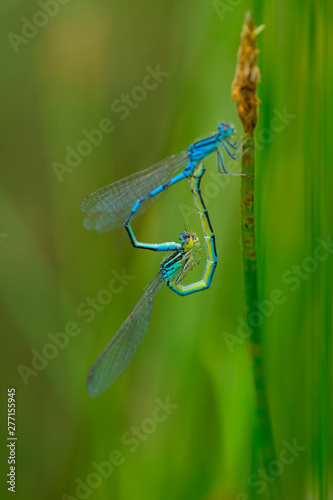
(67, 75)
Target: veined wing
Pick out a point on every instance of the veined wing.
(123, 346)
(107, 208)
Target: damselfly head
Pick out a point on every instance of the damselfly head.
(188, 239)
(226, 130)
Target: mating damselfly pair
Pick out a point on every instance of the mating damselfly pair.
(117, 204)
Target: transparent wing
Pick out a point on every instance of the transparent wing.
(107, 208)
(123, 346)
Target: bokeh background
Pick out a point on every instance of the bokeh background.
(67, 75)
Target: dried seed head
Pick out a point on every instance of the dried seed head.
(244, 86)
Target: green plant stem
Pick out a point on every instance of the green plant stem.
(244, 92)
(264, 430)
